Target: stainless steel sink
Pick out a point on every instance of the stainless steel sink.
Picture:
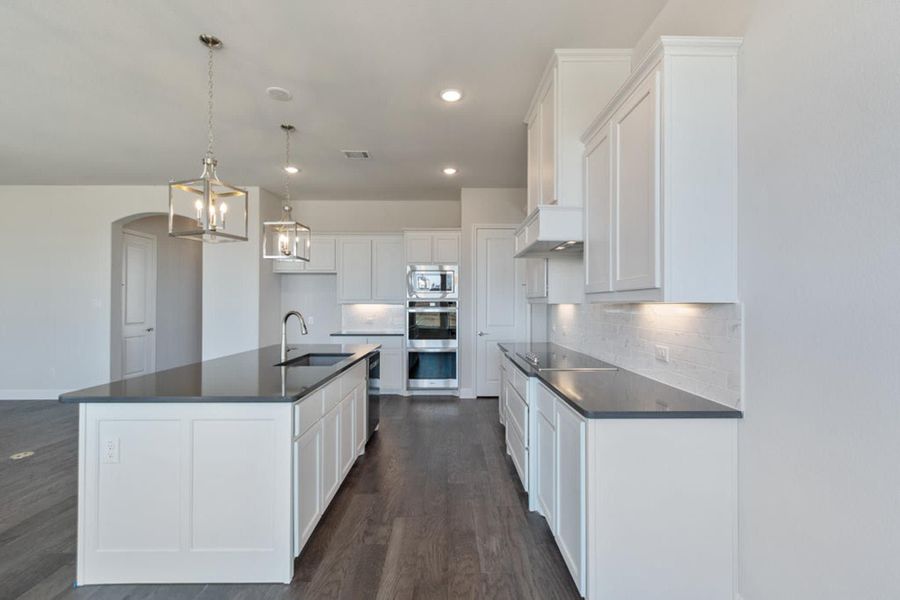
(314, 360)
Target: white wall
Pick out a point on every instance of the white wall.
(55, 261)
(704, 342)
(820, 252)
(486, 206)
(316, 297)
(376, 215)
(270, 312)
(695, 17)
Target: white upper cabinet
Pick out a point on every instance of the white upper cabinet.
(426, 247)
(388, 270)
(575, 83)
(371, 269)
(660, 173)
(322, 258)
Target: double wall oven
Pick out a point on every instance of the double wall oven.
(431, 342)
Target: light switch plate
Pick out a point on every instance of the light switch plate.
(109, 451)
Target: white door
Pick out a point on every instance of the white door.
(636, 207)
(536, 278)
(321, 255)
(138, 304)
(570, 490)
(548, 146)
(307, 485)
(331, 457)
(499, 306)
(360, 417)
(597, 214)
(355, 272)
(534, 163)
(347, 438)
(545, 445)
(389, 277)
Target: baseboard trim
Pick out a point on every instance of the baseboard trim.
(30, 394)
(466, 393)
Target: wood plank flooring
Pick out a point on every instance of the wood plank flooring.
(433, 510)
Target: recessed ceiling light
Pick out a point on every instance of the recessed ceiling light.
(279, 93)
(451, 95)
(449, 170)
(292, 169)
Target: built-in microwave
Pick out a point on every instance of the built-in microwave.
(431, 281)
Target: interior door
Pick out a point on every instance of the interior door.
(138, 304)
(499, 306)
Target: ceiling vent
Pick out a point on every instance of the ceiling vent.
(356, 154)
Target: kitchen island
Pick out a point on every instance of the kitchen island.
(217, 471)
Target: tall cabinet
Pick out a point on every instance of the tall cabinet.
(660, 173)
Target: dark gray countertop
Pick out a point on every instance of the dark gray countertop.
(620, 394)
(368, 333)
(246, 377)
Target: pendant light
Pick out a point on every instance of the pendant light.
(208, 209)
(286, 240)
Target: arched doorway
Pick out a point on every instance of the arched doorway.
(156, 297)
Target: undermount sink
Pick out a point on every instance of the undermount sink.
(314, 360)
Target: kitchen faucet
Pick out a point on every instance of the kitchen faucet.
(303, 331)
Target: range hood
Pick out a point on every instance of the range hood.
(549, 231)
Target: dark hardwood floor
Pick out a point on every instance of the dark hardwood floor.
(433, 510)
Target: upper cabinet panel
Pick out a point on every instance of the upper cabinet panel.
(665, 218)
(436, 246)
(575, 83)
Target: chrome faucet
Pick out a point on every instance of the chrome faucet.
(303, 331)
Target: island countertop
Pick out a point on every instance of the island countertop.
(617, 394)
(250, 376)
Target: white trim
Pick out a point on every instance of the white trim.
(30, 394)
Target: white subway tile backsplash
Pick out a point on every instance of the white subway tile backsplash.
(704, 342)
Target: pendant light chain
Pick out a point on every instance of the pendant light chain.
(209, 121)
(287, 162)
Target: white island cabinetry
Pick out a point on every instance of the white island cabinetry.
(211, 491)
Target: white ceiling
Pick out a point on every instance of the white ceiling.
(112, 92)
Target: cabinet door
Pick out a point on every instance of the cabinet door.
(355, 272)
(389, 270)
(347, 437)
(598, 214)
(535, 278)
(636, 207)
(534, 163)
(391, 370)
(331, 464)
(548, 146)
(445, 248)
(360, 418)
(307, 485)
(545, 484)
(570, 490)
(418, 248)
(322, 257)
(288, 266)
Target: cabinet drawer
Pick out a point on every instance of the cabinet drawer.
(353, 377)
(518, 453)
(517, 413)
(307, 412)
(331, 396)
(520, 383)
(546, 404)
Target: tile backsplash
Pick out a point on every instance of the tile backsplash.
(704, 342)
(373, 317)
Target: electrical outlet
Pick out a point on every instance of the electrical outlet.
(310, 320)
(662, 353)
(110, 451)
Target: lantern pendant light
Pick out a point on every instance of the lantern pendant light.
(286, 240)
(208, 209)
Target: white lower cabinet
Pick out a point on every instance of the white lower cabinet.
(360, 418)
(307, 484)
(331, 463)
(639, 508)
(347, 436)
(569, 490)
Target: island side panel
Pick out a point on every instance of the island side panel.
(184, 493)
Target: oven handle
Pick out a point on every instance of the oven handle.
(431, 310)
(431, 350)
